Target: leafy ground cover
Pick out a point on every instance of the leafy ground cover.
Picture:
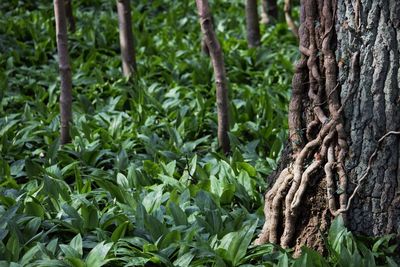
(143, 182)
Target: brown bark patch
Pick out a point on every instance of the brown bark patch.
(314, 220)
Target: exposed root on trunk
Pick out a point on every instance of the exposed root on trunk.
(319, 151)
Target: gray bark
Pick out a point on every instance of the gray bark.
(65, 70)
(252, 25)
(126, 37)
(370, 28)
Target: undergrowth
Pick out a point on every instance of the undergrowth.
(143, 182)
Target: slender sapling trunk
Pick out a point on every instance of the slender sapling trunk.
(219, 72)
(252, 25)
(126, 37)
(65, 70)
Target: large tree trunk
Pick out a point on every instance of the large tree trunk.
(343, 118)
(370, 32)
(219, 73)
(65, 70)
(126, 37)
(252, 25)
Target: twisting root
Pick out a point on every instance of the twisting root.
(269, 196)
(303, 185)
(276, 207)
(330, 184)
(298, 91)
(315, 106)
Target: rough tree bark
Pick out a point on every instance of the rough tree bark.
(70, 16)
(219, 73)
(269, 11)
(65, 70)
(126, 37)
(344, 124)
(252, 25)
(369, 33)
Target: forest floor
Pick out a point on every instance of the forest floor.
(143, 181)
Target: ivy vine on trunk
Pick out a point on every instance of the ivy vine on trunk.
(343, 126)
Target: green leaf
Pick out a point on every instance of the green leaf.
(170, 239)
(184, 260)
(283, 261)
(122, 181)
(122, 160)
(151, 168)
(97, 256)
(76, 262)
(76, 219)
(34, 209)
(13, 246)
(391, 262)
(119, 232)
(170, 168)
(236, 243)
(29, 256)
(152, 200)
(178, 214)
(248, 168)
(69, 252)
(52, 151)
(310, 257)
(76, 244)
(336, 232)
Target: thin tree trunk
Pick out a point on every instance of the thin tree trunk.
(204, 47)
(289, 20)
(126, 37)
(70, 16)
(344, 125)
(253, 27)
(269, 11)
(219, 72)
(65, 70)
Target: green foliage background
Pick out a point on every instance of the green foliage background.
(143, 182)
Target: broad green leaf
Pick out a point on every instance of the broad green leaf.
(119, 232)
(122, 181)
(248, 168)
(178, 214)
(14, 247)
(69, 251)
(76, 244)
(184, 260)
(97, 256)
(34, 209)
